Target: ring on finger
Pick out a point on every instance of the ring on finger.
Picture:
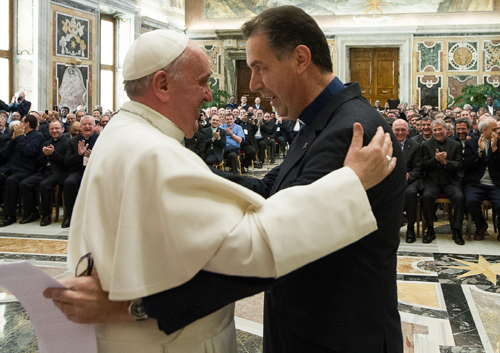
(389, 158)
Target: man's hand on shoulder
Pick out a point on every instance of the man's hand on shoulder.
(85, 302)
(371, 163)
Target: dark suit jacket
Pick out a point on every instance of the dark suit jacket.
(475, 166)
(268, 129)
(23, 108)
(413, 158)
(346, 301)
(72, 160)
(22, 153)
(251, 129)
(419, 138)
(432, 167)
(261, 107)
(197, 143)
(218, 145)
(56, 159)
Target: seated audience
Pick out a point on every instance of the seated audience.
(482, 174)
(249, 144)
(21, 154)
(76, 158)
(442, 159)
(426, 132)
(215, 142)
(413, 158)
(234, 137)
(52, 172)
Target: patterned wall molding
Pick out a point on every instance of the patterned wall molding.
(493, 79)
(72, 85)
(429, 56)
(214, 57)
(462, 56)
(491, 54)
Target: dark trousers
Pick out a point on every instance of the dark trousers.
(250, 153)
(27, 189)
(232, 154)
(71, 187)
(411, 201)
(262, 144)
(454, 193)
(282, 142)
(211, 158)
(11, 183)
(475, 194)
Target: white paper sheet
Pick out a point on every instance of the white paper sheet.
(54, 332)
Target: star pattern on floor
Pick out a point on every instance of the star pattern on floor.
(482, 267)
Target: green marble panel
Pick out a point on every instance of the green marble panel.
(430, 56)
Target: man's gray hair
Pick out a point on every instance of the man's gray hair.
(467, 107)
(438, 122)
(485, 122)
(90, 117)
(139, 87)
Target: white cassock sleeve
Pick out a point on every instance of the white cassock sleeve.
(155, 217)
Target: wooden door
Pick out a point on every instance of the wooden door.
(376, 70)
(243, 76)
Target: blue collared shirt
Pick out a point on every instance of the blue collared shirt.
(237, 130)
(313, 109)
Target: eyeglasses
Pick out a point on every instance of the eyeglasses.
(84, 266)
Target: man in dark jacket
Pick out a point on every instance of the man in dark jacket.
(76, 159)
(442, 160)
(52, 172)
(21, 152)
(482, 174)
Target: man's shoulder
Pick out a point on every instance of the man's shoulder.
(472, 141)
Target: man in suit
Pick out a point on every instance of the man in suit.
(257, 105)
(442, 159)
(249, 144)
(197, 143)
(18, 104)
(321, 307)
(76, 159)
(21, 152)
(462, 128)
(482, 174)
(490, 108)
(52, 172)
(413, 158)
(297, 318)
(215, 138)
(426, 131)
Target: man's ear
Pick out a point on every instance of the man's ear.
(160, 84)
(302, 56)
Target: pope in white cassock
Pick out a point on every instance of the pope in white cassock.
(153, 214)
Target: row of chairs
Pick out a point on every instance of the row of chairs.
(442, 199)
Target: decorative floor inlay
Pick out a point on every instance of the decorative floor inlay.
(32, 246)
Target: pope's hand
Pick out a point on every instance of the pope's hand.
(85, 302)
(370, 163)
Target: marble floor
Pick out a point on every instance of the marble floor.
(449, 295)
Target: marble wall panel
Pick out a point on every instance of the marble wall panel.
(72, 46)
(491, 54)
(214, 57)
(429, 55)
(72, 84)
(72, 36)
(429, 88)
(457, 83)
(493, 79)
(463, 56)
(24, 75)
